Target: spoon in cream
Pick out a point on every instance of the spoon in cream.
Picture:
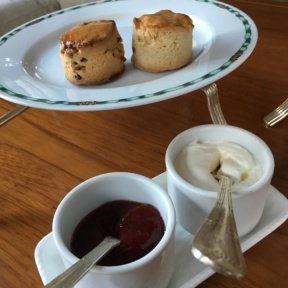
(217, 242)
(78, 270)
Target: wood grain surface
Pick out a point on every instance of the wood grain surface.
(43, 154)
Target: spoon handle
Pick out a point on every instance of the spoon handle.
(73, 274)
(217, 243)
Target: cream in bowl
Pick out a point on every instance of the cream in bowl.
(122, 205)
(196, 154)
(199, 161)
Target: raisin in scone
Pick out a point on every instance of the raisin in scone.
(162, 41)
(92, 52)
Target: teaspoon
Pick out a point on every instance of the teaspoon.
(217, 243)
(78, 270)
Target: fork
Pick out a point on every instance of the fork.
(214, 107)
(277, 115)
(12, 114)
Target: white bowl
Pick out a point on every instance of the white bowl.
(193, 204)
(155, 269)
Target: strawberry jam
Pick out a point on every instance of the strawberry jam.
(139, 227)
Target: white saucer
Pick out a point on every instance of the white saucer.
(190, 272)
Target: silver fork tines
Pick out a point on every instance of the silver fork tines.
(277, 115)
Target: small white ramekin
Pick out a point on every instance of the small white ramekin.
(155, 269)
(193, 204)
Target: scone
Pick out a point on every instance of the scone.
(92, 52)
(162, 41)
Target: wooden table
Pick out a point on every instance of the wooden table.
(45, 153)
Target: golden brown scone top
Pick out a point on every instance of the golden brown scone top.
(164, 19)
(87, 33)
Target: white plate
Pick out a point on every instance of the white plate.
(31, 73)
(190, 272)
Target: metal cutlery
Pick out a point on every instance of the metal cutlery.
(277, 115)
(217, 243)
(214, 107)
(12, 114)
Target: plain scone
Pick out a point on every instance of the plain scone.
(92, 52)
(162, 41)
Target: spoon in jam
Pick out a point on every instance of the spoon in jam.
(78, 270)
(217, 242)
